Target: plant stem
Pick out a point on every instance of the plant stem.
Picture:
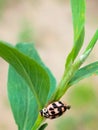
(68, 74)
(38, 122)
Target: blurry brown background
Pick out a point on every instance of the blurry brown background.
(48, 23)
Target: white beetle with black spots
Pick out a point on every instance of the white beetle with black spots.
(54, 110)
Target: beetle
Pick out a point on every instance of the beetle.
(54, 110)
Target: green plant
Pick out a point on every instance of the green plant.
(26, 32)
(31, 85)
(83, 98)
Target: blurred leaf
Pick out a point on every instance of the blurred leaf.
(84, 72)
(78, 16)
(3, 4)
(27, 32)
(83, 95)
(36, 77)
(88, 117)
(68, 123)
(43, 126)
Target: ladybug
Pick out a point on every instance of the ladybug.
(54, 110)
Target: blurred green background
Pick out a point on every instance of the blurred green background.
(48, 24)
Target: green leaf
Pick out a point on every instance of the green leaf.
(69, 73)
(23, 102)
(84, 72)
(87, 51)
(24, 47)
(78, 16)
(33, 54)
(92, 42)
(35, 76)
(43, 126)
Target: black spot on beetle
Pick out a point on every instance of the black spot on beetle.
(60, 111)
(51, 109)
(52, 112)
(61, 103)
(54, 105)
